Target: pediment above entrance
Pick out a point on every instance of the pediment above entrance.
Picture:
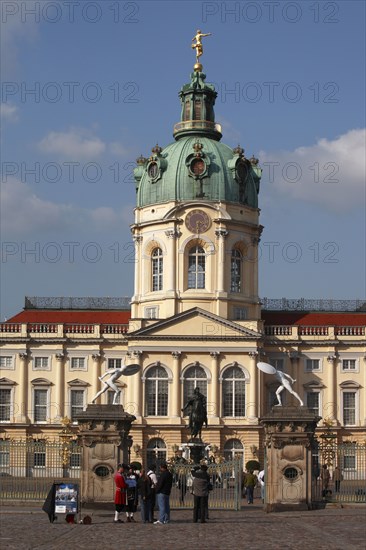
(195, 324)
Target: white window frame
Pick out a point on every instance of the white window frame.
(44, 388)
(152, 312)
(240, 314)
(73, 389)
(78, 358)
(274, 361)
(234, 383)
(11, 366)
(236, 268)
(157, 269)
(156, 381)
(42, 368)
(319, 393)
(43, 453)
(320, 363)
(344, 359)
(113, 362)
(355, 391)
(194, 272)
(4, 453)
(351, 452)
(11, 405)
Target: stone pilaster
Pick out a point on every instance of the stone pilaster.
(175, 393)
(97, 358)
(331, 413)
(214, 404)
(23, 387)
(172, 235)
(137, 384)
(221, 234)
(60, 384)
(252, 403)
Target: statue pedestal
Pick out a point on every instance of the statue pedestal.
(289, 436)
(103, 435)
(196, 450)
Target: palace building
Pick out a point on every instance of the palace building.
(195, 319)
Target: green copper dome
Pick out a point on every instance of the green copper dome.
(197, 165)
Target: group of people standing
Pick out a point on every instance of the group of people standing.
(149, 490)
(146, 487)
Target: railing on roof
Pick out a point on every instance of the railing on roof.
(123, 303)
(74, 302)
(308, 304)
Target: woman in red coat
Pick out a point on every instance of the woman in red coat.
(120, 494)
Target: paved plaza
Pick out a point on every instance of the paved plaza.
(329, 528)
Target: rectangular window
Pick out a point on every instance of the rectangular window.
(39, 455)
(4, 459)
(240, 313)
(312, 365)
(77, 402)
(5, 404)
(278, 364)
(6, 362)
(349, 364)
(349, 461)
(114, 363)
(75, 460)
(151, 312)
(40, 405)
(349, 408)
(41, 363)
(77, 363)
(312, 402)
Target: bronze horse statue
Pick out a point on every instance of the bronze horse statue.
(197, 414)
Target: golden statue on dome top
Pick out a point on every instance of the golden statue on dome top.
(199, 48)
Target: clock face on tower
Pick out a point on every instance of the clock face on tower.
(197, 221)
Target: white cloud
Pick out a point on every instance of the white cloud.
(77, 143)
(330, 173)
(15, 30)
(9, 112)
(118, 149)
(23, 213)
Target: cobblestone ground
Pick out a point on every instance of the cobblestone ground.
(330, 528)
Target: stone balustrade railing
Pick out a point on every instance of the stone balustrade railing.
(61, 330)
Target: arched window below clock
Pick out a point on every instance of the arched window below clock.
(196, 267)
(236, 270)
(157, 269)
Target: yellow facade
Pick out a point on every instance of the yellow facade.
(45, 357)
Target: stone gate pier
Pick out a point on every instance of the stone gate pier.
(289, 439)
(104, 438)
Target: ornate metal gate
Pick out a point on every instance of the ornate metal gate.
(226, 480)
(346, 464)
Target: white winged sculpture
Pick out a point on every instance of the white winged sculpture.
(285, 380)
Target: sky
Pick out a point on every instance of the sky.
(88, 86)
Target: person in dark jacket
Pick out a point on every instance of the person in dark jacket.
(201, 480)
(144, 486)
(163, 489)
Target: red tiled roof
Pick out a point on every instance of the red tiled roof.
(71, 316)
(314, 318)
(123, 317)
